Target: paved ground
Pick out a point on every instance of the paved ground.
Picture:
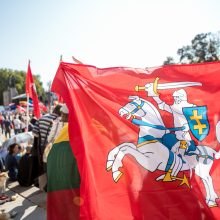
(30, 204)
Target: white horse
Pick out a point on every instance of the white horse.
(151, 154)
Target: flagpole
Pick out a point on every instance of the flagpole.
(27, 112)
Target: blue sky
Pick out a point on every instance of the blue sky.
(104, 33)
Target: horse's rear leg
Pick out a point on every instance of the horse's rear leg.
(203, 171)
(172, 170)
(177, 165)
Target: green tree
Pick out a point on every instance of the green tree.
(19, 81)
(169, 60)
(205, 47)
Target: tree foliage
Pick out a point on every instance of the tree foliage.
(169, 60)
(19, 81)
(204, 47)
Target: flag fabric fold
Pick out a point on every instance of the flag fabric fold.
(131, 170)
(31, 91)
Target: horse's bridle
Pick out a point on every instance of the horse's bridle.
(138, 107)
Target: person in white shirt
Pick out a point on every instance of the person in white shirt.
(17, 125)
(23, 124)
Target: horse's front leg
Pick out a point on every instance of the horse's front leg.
(144, 160)
(113, 153)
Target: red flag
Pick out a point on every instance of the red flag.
(32, 92)
(144, 139)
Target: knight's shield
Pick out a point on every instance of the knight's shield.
(198, 121)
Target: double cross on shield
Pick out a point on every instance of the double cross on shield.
(198, 121)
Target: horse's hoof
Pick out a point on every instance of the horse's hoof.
(117, 175)
(109, 165)
(160, 177)
(212, 204)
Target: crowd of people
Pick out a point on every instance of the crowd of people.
(26, 162)
(11, 121)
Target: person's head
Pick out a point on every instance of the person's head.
(179, 96)
(28, 149)
(57, 110)
(20, 149)
(64, 113)
(13, 149)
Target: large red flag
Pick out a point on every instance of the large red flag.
(144, 139)
(32, 92)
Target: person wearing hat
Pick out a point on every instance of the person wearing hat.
(58, 124)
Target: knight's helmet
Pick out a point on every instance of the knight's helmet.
(181, 94)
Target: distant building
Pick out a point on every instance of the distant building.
(8, 95)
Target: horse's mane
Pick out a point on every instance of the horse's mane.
(153, 110)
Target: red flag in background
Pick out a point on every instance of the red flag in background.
(31, 91)
(139, 134)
